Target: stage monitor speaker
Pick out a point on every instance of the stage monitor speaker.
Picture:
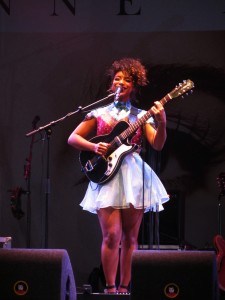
(171, 274)
(36, 274)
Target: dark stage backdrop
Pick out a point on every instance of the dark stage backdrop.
(53, 59)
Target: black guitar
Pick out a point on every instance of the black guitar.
(101, 169)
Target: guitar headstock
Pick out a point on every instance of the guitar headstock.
(182, 88)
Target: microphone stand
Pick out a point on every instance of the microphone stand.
(27, 177)
(48, 129)
(221, 183)
(219, 213)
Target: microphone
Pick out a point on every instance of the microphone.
(117, 93)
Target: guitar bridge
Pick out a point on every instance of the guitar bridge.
(91, 164)
(88, 167)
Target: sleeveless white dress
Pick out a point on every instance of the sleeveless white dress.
(135, 183)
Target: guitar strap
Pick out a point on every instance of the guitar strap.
(134, 112)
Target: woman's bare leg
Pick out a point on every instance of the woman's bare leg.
(110, 222)
(131, 221)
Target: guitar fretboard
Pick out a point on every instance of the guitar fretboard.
(133, 127)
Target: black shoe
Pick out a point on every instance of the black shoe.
(109, 287)
(125, 288)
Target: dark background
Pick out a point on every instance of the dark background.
(53, 59)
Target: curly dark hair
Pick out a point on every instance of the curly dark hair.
(132, 67)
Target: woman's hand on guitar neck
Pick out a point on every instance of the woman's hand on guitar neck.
(159, 112)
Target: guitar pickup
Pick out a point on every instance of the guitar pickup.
(118, 141)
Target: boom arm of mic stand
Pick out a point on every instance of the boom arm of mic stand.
(80, 108)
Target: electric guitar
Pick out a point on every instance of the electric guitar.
(101, 169)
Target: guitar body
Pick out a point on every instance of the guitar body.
(100, 170)
(219, 243)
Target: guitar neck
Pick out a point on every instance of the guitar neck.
(133, 127)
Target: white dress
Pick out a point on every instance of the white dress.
(133, 177)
